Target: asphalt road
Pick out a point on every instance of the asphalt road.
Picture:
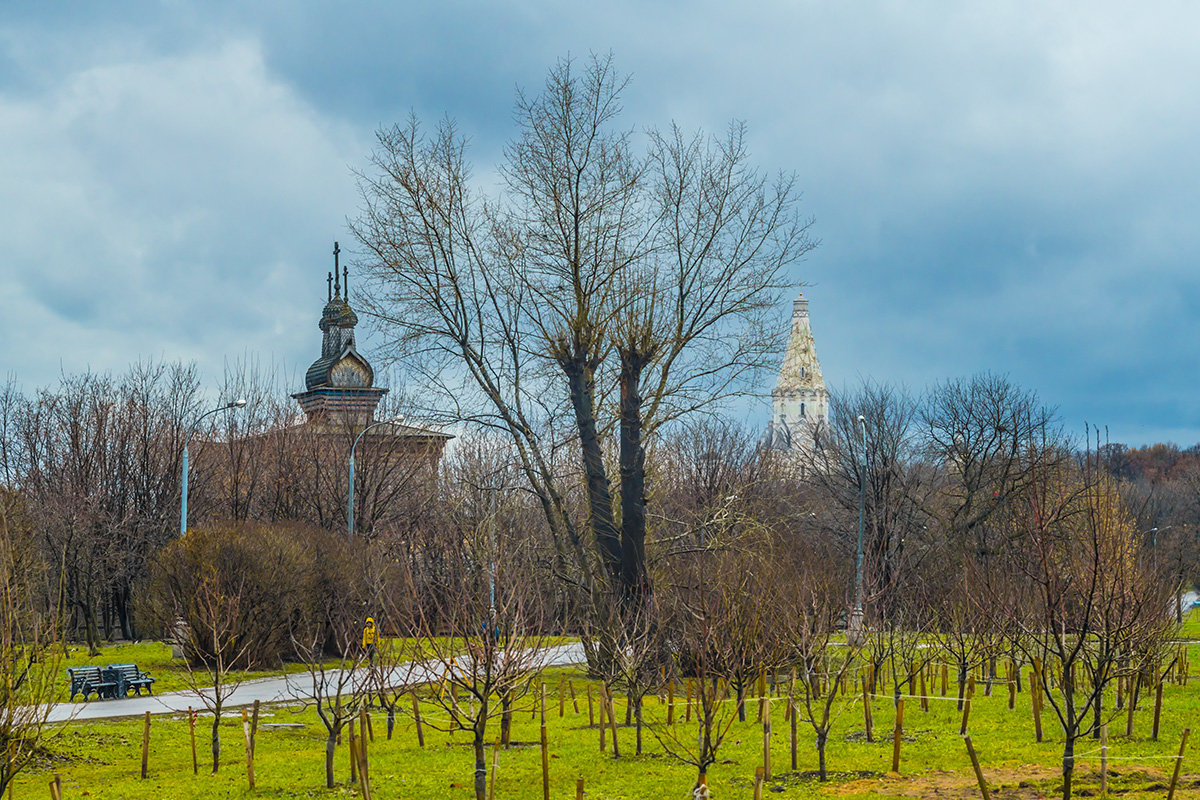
(282, 689)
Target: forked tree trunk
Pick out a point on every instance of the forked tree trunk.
(600, 504)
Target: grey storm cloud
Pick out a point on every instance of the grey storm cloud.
(996, 186)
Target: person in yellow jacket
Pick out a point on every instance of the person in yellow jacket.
(368, 639)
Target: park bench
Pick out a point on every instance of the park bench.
(86, 680)
(126, 677)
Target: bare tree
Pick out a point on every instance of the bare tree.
(29, 655)
(478, 635)
(214, 648)
(336, 688)
(1084, 601)
(810, 605)
(638, 288)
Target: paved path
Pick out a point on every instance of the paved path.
(284, 688)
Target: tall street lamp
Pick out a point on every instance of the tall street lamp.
(239, 403)
(856, 616)
(350, 487)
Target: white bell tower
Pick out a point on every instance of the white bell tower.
(800, 399)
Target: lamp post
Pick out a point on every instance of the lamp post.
(183, 495)
(350, 487)
(855, 637)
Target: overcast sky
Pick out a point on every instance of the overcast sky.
(997, 186)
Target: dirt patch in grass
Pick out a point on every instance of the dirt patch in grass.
(1029, 782)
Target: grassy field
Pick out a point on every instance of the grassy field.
(102, 759)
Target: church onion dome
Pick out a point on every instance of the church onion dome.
(337, 312)
(340, 365)
(347, 370)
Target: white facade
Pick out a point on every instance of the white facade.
(800, 401)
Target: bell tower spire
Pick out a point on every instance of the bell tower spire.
(800, 400)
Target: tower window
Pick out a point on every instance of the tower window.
(803, 372)
(802, 409)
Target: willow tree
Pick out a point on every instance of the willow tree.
(613, 282)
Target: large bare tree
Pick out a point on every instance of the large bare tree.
(613, 283)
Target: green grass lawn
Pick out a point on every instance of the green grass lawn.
(102, 759)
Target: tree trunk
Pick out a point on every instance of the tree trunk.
(962, 683)
(506, 717)
(121, 597)
(822, 739)
(480, 746)
(89, 626)
(391, 720)
(600, 504)
(216, 741)
(1068, 765)
(638, 719)
(330, 745)
(634, 582)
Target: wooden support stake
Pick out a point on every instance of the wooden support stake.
(562, 696)
(758, 783)
(766, 728)
(1131, 702)
(1012, 689)
(1158, 693)
(867, 710)
(603, 723)
(945, 677)
(192, 733)
(1104, 760)
(687, 704)
(975, 764)
(671, 702)
(546, 749)
(1178, 764)
(417, 718)
(364, 736)
(55, 787)
(792, 720)
(146, 746)
(574, 699)
(249, 747)
(898, 735)
(762, 691)
(924, 698)
(495, 763)
(579, 789)
(962, 731)
(350, 728)
(612, 720)
(1035, 697)
(591, 708)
